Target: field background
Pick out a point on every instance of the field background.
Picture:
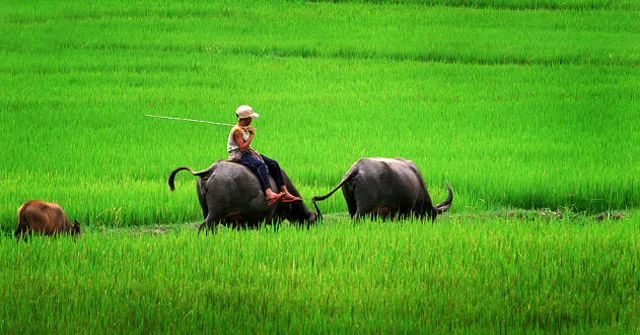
(520, 105)
(527, 109)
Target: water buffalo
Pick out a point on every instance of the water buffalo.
(45, 218)
(387, 188)
(230, 194)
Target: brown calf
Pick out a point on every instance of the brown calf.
(45, 218)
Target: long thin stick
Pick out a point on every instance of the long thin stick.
(188, 120)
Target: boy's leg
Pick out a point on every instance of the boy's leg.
(259, 169)
(276, 173)
(274, 170)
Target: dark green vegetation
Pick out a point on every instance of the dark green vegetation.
(461, 275)
(519, 104)
(516, 108)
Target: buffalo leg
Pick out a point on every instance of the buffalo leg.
(209, 223)
(202, 226)
(351, 204)
(20, 232)
(358, 215)
(202, 199)
(208, 226)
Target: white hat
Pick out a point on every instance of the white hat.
(245, 111)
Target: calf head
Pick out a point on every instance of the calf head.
(75, 228)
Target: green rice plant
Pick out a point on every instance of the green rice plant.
(410, 32)
(525, 109)
(519, 136)
(509, 4)
(517, 109)
(461, 274)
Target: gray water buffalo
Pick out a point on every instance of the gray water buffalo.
(45, 218)
(387, 188)
(230, 194)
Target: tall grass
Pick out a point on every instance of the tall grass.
(510, 4)
(515, 108)
(410, 32)
(510, 135)
(459, 275)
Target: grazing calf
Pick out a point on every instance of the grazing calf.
(45, 218)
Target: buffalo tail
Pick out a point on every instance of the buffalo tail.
(346, 178)
(172, 176)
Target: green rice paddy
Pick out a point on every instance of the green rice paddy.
(461, 276)
(523, 106)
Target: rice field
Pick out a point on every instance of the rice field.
(462, 276)
(523, 106)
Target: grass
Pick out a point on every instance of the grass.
(459, 275)
(508, 135)
(411, 32)
(512, 4)
(520, 105)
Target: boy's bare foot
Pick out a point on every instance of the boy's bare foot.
(288, 198)
(273, 197)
